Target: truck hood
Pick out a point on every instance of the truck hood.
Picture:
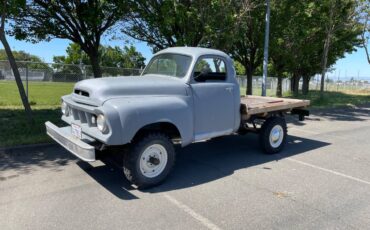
(97, 91)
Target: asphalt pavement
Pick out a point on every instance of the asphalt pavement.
(320, 181)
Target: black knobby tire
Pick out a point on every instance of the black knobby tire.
(131, 161)
(267, 145)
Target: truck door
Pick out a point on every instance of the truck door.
(213, 98)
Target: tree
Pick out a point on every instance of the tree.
(339, 20)
(113, 59)
(167, 23)
(288, 27)
(75, 56)
(128, 57)
(239, 68)
(20, 56)
(11, 9)
(297, 42)
(83, 22)
(34, 61)
(248, 34)
(298, 31)
(364, 18)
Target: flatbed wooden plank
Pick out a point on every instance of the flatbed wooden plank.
(259, 104)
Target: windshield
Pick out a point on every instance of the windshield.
(174, 65)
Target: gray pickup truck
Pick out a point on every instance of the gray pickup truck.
(184, 95)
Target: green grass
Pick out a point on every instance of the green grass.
(15, 129)
(335, 99)
(257, 92)
(41, 94)
(331, 99)
(45, 102)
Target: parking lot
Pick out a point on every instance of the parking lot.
(320, 181)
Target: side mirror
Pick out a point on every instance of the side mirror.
(202, 77)
(199, 76)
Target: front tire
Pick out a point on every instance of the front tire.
(273, 135)
(149, 160)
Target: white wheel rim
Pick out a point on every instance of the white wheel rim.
(276, 136)
(153, 160)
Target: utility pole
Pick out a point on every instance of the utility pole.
(266, 48)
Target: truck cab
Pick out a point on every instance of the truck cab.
(184, 95)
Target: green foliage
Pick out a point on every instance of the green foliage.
(12, 8)
(74, 56)
(201, 66)
(299, 30)
(45, 20)
(20, 56)
(128, 57)
(334, 99)
(168, 23)
(247, 30)
(239, 68)
(81, 21)
(244, 39)
(25, 59)
(364, 19)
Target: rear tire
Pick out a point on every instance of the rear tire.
(149, 160)
(273, 135)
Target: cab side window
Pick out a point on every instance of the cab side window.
(210, 69)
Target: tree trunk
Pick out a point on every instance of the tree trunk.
(94, 60)
(294, 83)
(364, 40)
(306, 84)
(249, 74)
(279, 87)
(17, 76)
(324, 63)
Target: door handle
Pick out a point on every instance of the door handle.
(229, 89)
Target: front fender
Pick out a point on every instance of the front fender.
(137, 112)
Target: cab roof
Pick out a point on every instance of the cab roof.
(193, 51)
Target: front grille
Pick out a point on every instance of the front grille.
(82, 93)
(83, 117)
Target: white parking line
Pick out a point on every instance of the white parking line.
(330, 171)
(206, 222)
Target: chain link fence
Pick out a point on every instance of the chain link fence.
(271, 85)
(54, 72)
(332, 84)
(341, 84)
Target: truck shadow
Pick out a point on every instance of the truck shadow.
(345, 113)
(201, 163)
(111, 177)
(358, 113)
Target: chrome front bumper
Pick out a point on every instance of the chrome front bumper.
(78, 147)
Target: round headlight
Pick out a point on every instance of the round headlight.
(64, 107)
(101, 123)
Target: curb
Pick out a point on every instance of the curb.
(23, 147)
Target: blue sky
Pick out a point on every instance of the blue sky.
(352, 65)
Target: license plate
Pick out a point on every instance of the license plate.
(76, 131)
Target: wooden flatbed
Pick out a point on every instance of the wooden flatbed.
(254, 105)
